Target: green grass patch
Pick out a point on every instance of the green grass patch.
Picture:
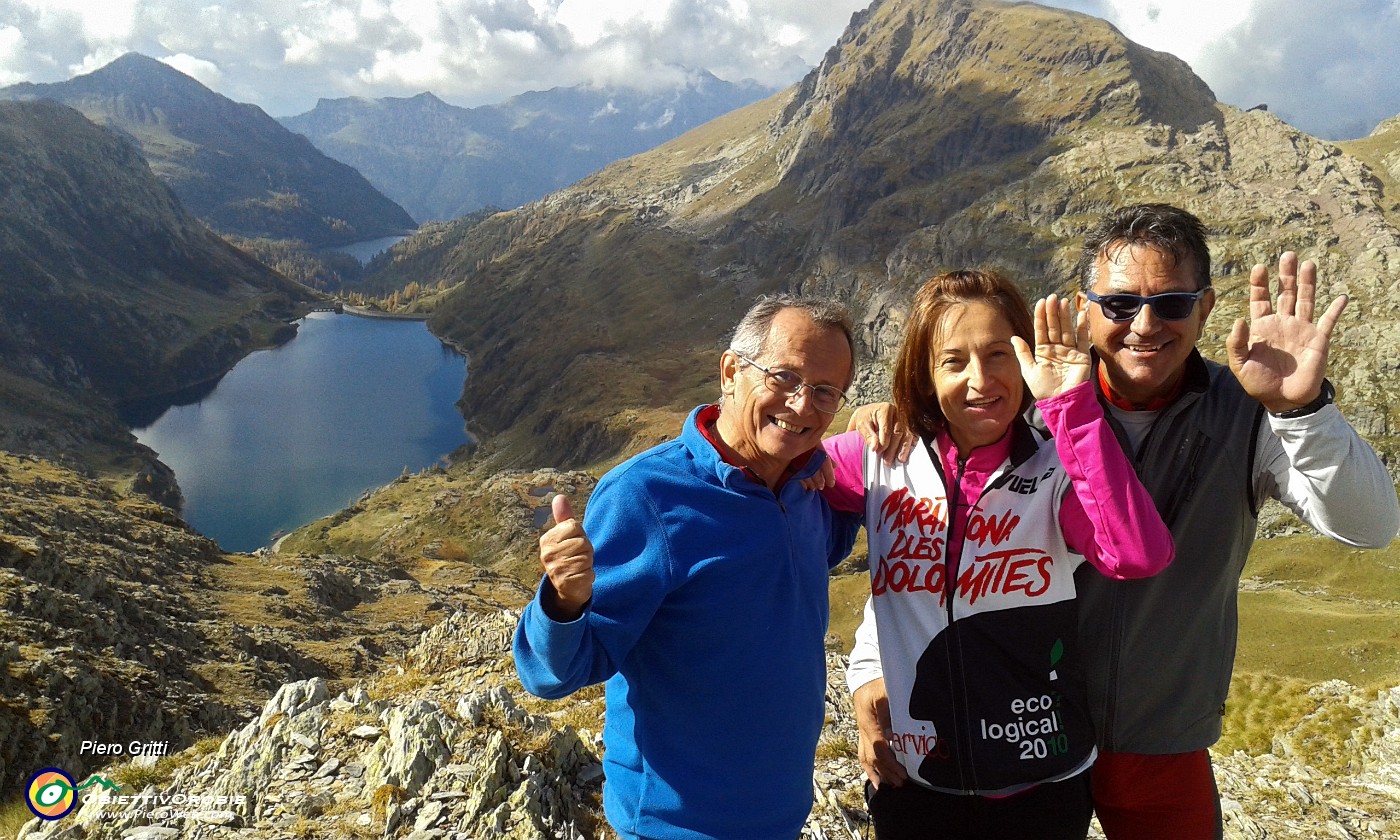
(1316, 638)
(836, 747)
(1317, 562)
(848, 594)
(1325, 732)
(14, 813)
(1316, 610)
(1261, 706)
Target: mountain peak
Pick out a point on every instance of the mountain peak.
(229, 163)
(135, 60)
(137, 75)
(427, 98)
(1044, 67)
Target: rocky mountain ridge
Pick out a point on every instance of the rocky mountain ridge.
(110, 291)
(440, 161)
(229, 163)
(942, 134)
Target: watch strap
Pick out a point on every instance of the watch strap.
(1324, 397)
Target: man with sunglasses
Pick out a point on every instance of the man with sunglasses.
(1210, 443)
(696, 586)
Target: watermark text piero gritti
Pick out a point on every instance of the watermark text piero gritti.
(133, 748)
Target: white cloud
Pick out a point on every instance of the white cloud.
(1180, 27)
(301, 48)
(100, 56)
(12, 45)
(284, 55)
(589, 20)
(1327, 67)
(659, 123)
(105, 21)
(206, 73)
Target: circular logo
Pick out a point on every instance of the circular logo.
(50, 794)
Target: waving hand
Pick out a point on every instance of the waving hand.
(1280, 355)
(1060, 359)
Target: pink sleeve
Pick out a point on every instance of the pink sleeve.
(847, 452)
(1108, 517)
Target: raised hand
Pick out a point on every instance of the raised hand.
(567, 557)
(1060, 359)
(1280, 355)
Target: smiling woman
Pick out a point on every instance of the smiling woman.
(298, 432)
(974, 542)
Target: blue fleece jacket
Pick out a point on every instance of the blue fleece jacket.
(707, 621)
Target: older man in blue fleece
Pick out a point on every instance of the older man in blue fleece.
(696, 586)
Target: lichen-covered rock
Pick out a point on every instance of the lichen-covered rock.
(446, 753)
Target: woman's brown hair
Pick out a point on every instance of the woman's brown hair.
(914, 395)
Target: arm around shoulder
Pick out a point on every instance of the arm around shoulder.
(846, 451)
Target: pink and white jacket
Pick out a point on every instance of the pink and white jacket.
(972, 616)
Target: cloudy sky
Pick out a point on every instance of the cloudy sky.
(1331, 67)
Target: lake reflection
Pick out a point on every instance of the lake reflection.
(298, 432)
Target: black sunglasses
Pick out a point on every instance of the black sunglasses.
(1169, 306)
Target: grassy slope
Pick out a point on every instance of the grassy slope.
(1327, 611)
(1313, 610)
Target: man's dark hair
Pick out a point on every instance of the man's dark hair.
(1168, 230)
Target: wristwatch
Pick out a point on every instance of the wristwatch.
(1324, 397)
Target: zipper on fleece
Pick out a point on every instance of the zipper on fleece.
(962, 724)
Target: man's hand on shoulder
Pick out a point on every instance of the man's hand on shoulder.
(567, 557)
(879, 425)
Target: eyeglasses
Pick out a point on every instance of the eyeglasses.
(827, 399)
(1169, 306)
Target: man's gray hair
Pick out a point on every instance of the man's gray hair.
(751, 336)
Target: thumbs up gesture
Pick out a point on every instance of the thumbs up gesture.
(567, 557)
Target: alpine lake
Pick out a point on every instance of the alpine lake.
(298, 432)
